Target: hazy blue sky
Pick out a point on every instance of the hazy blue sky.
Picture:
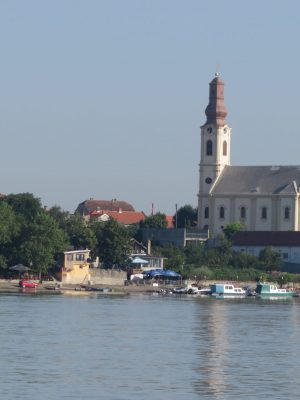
(104, 99)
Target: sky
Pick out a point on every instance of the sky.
(104, 99)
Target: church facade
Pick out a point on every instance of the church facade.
(264, 198)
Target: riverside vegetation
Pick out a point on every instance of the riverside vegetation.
(36, 237)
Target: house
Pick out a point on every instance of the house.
(103, 210)
(123, 217)
(140, 251)
(75, 269)
(263, 197)
(285, 243)
(178, 236)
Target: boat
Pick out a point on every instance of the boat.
(198, 291)
(227, 290)
(271, 290)
(180, 290)
(25, 283)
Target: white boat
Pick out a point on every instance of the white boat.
(227, 290)
(270, 290)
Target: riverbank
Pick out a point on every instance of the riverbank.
(11, 286)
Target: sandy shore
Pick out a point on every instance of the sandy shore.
(11, 286)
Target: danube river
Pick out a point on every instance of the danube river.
(148, 347)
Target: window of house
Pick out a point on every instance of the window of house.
(79, 257)
(285, 256)
(209, 148)
(70, 257)
(222, 212)
(206, 212)
(243, 212)
(287, 213)
(264, 213)
(224, 148)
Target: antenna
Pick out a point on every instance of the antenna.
(217, 73)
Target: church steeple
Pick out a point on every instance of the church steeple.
(216, 111)
(215, 148)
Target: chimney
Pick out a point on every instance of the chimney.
(148, 247)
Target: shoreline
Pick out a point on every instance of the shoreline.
(12, 286)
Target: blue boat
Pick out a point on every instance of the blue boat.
(227, 290)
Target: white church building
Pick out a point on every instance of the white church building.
(264, 198)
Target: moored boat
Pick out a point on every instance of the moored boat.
(270, 290)
(227, 290)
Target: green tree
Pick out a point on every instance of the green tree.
(270, 259)
(43, 243)
(195, 254)
(157, 220)
(36, 237)
(232, 228)
(59, 216)
(186, 217)
(242, 260)
(25, 205)
(8, 223)
(81, 235)
(113, 243)
(8, 230)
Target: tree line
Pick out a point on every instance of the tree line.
(36, 237)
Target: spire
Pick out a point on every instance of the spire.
(216, 111)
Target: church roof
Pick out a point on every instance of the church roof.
(258, 180)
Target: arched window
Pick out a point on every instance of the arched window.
(264, 213)
(206, 212)
(287, 213)
(243, 212)
(224, 148)
(209, 148)
(222, 212)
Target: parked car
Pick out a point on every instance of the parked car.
(25, 283)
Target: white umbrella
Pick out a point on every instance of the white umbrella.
(138, 260)
(20, 268)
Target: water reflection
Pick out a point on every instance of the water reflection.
(213, 353)
(148, 347)
(246, 347)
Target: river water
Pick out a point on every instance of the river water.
(148, 347)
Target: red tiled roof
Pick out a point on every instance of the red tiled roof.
(124, 217)
(264, 238)
(170, 221)
(113, 205)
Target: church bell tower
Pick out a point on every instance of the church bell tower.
(215, 148)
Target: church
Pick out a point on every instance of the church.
(264, 198)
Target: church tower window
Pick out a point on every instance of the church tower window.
(222, 212)
(206, 212)
(264, 213)
(243, 212)
(209, 148)
(224, 148)
(287, 213)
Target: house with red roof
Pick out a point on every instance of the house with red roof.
(103, 210)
